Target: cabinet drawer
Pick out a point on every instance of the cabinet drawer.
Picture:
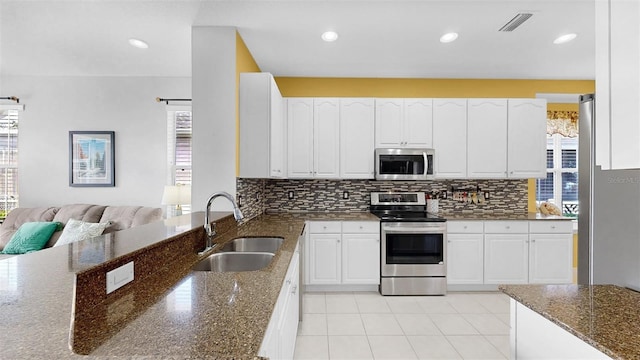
(547, 227)
(462, 227)
(319, 227)
(369, 227)
(506, 227)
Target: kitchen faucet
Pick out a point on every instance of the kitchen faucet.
(211, 229)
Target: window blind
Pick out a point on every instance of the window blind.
(9, 118)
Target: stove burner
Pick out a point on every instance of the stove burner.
(402, 207)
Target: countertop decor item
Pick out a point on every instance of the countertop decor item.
(92, 158)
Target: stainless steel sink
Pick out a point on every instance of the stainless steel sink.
(254, 244)
(234, 261)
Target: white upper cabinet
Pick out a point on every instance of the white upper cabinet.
(404, 123)
(262, 127)
(278, 139)
(300, 137)
(450, 137)
(326, 138)
(418, 123)
(617, 84)
(389, 115)
(314, 137)
(527, 139)
(487, 138)
(357, 125)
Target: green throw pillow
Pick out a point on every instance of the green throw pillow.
(31, 236)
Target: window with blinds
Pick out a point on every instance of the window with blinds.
(9, 117)
(561, 184)
(179, 147)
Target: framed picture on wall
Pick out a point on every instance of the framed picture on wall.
(92, 158)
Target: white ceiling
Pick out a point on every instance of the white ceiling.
(377, 38)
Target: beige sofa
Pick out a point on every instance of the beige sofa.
(120, 217)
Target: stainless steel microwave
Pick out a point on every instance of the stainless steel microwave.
(404, 164)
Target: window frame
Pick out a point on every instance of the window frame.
(557, 170)
(172, 135)
(5, 208)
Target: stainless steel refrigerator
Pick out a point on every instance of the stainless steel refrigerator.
(609, 213)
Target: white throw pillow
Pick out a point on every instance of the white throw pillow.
(77, 230)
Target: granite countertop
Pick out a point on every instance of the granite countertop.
(502, 216)
(203, 314)
(604, 316)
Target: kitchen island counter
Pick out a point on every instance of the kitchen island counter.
(604, 316)
(179, 314)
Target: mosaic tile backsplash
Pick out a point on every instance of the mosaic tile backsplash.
(272, 195)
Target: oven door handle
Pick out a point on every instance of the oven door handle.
(412, 230)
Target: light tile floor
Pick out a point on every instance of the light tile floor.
(366, 325)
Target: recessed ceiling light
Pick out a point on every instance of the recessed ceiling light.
(329, 36)
(564, 38)
(448, 37)
(138, 43)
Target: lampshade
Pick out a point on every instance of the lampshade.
(176, 195)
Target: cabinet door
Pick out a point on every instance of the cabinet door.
(326, 138)
(506, 258)
(418, 123)
(324, 259)
(361, 258)
(550, 258)
(300, 137)
(255, 120)
(357, 124)
(487, 138)
(277, 140)
(450, 137)
(527, 138)
(465, 258)
(617, 84)
(288, 328)
(389, 115)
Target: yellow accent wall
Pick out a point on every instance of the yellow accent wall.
(244, 63)
(436, 88)
(461, 88)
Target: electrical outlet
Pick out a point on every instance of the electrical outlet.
(486, 195)
(345, 195)
(240, 201)
(291, 194)
(119, 277)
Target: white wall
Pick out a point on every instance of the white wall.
(126, 105)
(213, 57)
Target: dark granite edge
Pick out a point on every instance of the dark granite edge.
(586, 338)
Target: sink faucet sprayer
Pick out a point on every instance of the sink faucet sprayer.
(211, 229)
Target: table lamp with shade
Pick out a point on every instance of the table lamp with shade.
(177, 195)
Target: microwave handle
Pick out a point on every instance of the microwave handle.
(426, 163)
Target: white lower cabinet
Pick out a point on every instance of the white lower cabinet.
(535, 337)
(551, 252)
(345, 252)
(506, 252)
(280, 337)
(509, 252)
(325, 260)
(465, 255)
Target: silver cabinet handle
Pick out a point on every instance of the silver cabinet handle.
(553, 227)
(288, 281)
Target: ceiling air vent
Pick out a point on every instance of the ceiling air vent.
(516, 21)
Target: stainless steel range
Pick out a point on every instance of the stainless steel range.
(413, 245)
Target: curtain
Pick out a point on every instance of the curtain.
(564, 123)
